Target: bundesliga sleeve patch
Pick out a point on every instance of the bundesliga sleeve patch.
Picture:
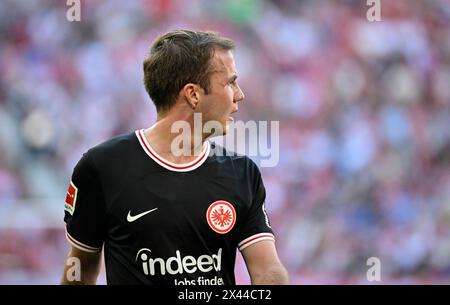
(71, 198)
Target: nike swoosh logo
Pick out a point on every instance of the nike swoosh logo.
(135, 217)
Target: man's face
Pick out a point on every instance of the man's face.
(224, 93)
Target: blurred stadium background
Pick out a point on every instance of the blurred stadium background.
(364, 111)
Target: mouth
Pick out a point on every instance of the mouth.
(230, 118)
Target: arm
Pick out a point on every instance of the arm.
(81, 268)
(264, 265)
(85, 220)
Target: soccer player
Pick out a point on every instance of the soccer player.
(162, 217)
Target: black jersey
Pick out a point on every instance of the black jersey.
(163, 223)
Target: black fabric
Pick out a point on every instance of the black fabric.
(173, 243)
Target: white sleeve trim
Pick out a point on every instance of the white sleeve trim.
(254, 239)
(80, 245)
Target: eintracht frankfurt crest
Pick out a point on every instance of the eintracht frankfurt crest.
(221, 216)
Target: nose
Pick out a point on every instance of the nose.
(239, 95)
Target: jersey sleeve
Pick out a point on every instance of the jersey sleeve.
(257, 225)
(84, 209)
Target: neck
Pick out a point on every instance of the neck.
(182, 145)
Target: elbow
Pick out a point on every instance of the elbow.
(276, 275)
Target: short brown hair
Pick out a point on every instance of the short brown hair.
(178, 58)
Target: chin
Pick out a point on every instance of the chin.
(220, 130)
(226, 127)
(224, 130)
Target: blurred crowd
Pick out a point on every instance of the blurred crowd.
(364, 112)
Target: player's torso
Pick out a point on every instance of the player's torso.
(174, 227)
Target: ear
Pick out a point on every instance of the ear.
(191, 93)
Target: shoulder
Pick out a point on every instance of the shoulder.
(114, 151)
(102, 157)
(114, 146)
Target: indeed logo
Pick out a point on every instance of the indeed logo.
(177, 264)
